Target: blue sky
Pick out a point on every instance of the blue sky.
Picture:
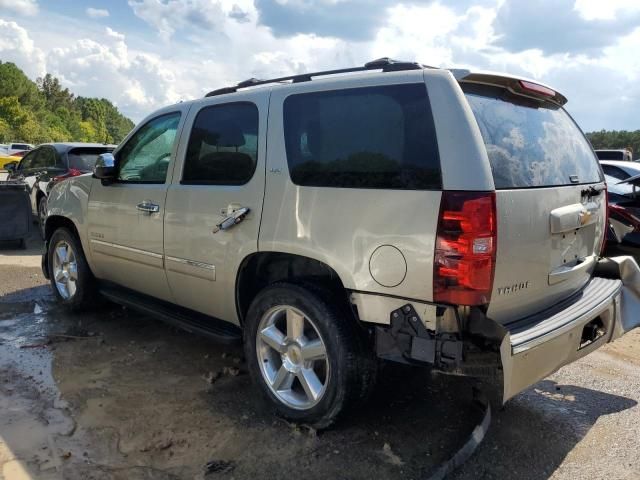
(143, 54)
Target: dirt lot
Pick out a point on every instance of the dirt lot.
(115, 395)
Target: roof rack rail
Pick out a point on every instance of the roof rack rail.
(385, 64)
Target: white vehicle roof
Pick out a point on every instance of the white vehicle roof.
(622, 164)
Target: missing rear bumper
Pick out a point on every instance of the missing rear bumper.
(408, 341)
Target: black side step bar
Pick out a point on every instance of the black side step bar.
(189, 320)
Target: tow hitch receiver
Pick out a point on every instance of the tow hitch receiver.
(591, 332)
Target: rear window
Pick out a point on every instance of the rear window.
(20, 146)
(84, 159)
(530, 144)
(371, 137)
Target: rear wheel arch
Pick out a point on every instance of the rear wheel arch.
(261, 269)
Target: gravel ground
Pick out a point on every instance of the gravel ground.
(114, 395)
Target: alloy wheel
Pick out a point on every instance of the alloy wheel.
(65, 269)
(293, 357)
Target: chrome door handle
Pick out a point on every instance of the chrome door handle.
(233, 219)
(148, 207)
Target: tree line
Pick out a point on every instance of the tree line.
(43, 111)
(616, 139)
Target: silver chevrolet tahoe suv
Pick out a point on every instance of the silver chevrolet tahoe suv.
(445, 218)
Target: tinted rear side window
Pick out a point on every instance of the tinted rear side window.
(373, 137)
(84, 159)
(531, 144)
(223, 146)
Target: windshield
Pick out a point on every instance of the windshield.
(84, 159)
(530, 144)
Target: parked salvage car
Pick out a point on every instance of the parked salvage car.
(622, 154)
(13, 148)
(421, 215)
(51, 163)
(623, 234)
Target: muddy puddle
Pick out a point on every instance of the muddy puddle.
(111, 394)
(114, 395)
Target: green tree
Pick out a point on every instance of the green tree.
(612, 139)
(44, 111)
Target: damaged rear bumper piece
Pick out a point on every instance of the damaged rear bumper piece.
(529, 349)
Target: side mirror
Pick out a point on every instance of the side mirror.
(105, 167)
(11, 166)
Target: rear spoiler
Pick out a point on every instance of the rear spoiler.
(519, 86)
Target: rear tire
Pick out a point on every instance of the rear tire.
(307, 354)
(71, 279)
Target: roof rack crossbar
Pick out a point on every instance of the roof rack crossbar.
(385, 64)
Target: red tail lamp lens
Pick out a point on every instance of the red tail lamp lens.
(465, 248)
(73, 172)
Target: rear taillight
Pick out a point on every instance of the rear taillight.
(465, 248)
(73, 172)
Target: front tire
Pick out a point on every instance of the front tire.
(71, 279)
(306, 353)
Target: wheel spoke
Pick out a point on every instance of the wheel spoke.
(295, 324)
(59, 276)
(73, 271)
(61, 253)
(314, 350)
(71, 287)
(310, 382)
(283, 379)
(274, 338)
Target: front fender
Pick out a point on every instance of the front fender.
(69, 199)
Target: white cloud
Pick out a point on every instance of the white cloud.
(16, 46)
(601, 10)
(102, 66)
(22, 7)
(136, 82)
(97, 12)
(215, 43)
(417, 33)
(171, 15)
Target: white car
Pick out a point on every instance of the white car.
(14, 148)
(616, 171)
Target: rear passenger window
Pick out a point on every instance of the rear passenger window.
(614, 172)
(223, 146)
(372, 137)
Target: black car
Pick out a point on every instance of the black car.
(51, 163)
